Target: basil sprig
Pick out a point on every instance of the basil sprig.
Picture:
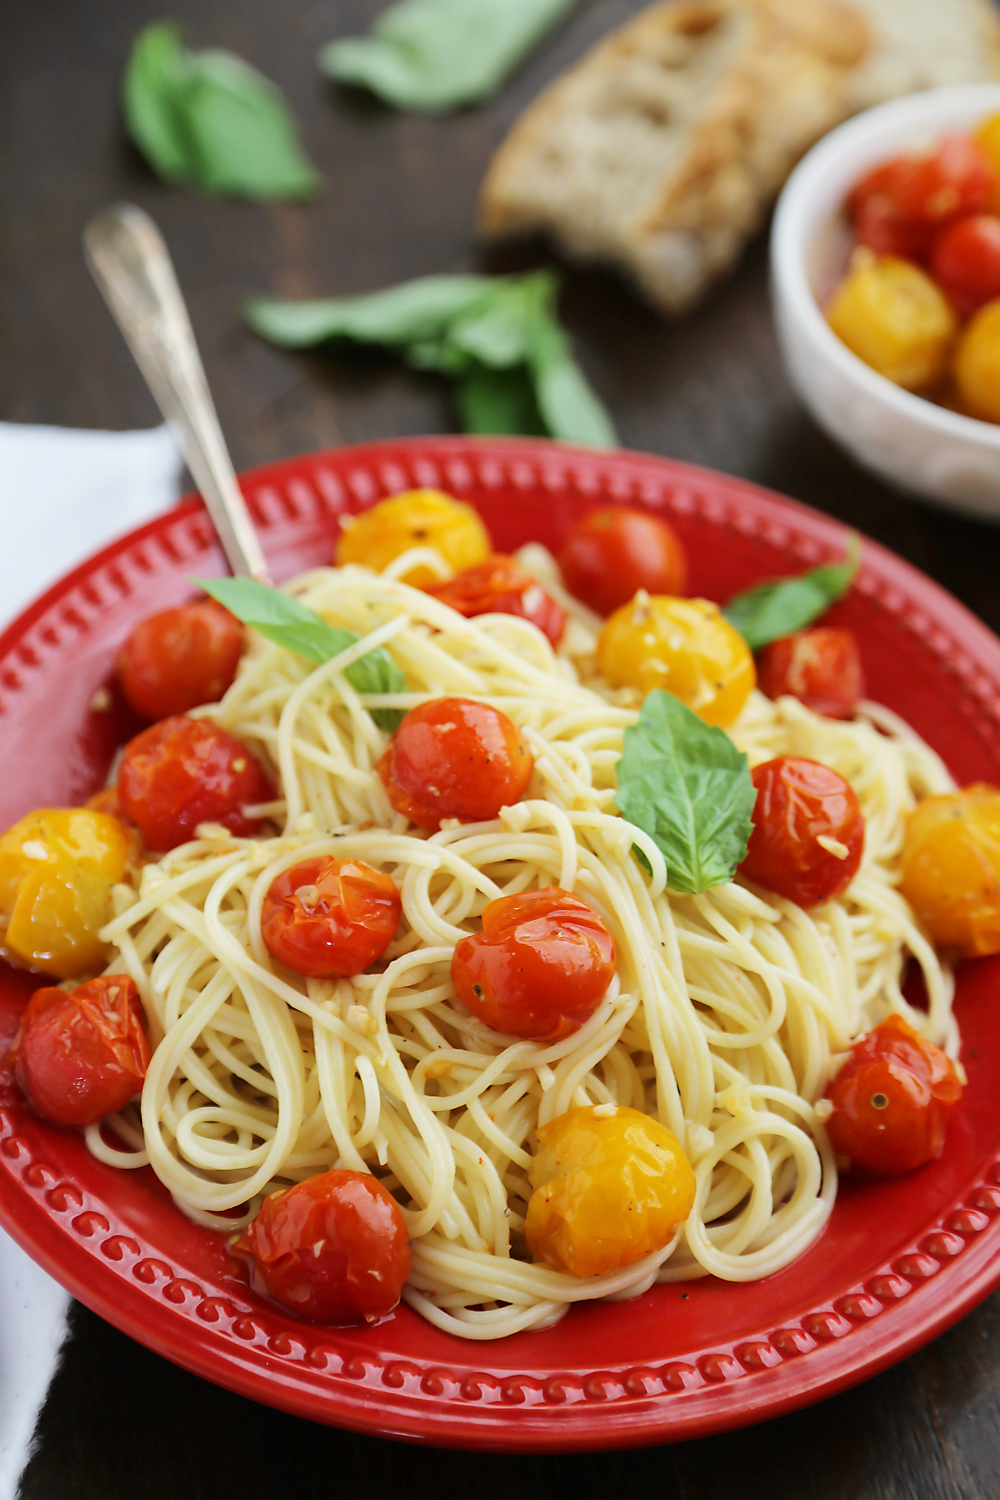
(437, 55)
(771, 610)
(210, 120)
(497, 337)
(288, 623)
(685, 784)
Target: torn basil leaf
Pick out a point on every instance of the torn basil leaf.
(211, 121)
(771, 610)
(685, 784)
(296, 627)
(437, 55)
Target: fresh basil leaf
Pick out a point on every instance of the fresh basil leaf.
(210, 120)
(415, 313)
(465, 327)
(499, 403)
(685, 784)
(156, 75)
(771, 610)
(289, 623)
(437, 55)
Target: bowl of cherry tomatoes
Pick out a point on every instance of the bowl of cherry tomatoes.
(885, 283)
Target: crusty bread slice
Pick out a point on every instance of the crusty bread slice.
(925, 44)
(663, 147)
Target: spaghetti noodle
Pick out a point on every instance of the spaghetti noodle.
(724, 1019)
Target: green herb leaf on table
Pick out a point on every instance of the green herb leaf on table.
(211, 121)
(771, 610)
(437, 55)
(296, 627)
(685, 784)
(498, 337)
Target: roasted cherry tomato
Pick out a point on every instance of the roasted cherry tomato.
(821, 667)
(182, 772)
(610, 1188)
(80, 1056)
(418, 518)
(330, 917)
(500, 585)
(987, 138)
(686, 646)
(910, 194)
(965, 262)
(334, 1248)
(455, 758)
(609, 555)
(175, 660)
(538, 968)
(808, 834)
(57, 867)
(891, 1100)
(976, 364)
(895, 318)
(951, 869)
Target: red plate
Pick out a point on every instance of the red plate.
(898, 1262)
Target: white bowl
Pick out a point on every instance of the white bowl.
(926, 449)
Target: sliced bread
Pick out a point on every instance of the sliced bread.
(662, 148)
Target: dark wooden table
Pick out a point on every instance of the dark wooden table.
(398, 202)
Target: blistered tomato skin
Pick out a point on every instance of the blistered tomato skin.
(951, 869)
(609, 1190)
(80, 1056)
(892, 1100)
(57, 867)
(609, 555)
(809, 831)
(455, 758)
(500, 585)
(329, 917)
(333, 1249)
(821, 667)
(180, 658)
(685, 646)
(539, 967)
(182, 772)
(894, 318)
(418, 518)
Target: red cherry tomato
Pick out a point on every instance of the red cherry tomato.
(330, 917)
(820, 667)
(182, 772)
(80, 1056)
(965, 262)
(538, 968)
(608, 555)
(808, 832)
(891, 1100)
(500, 585)
(455, 758)
(899, 206)
(175, 660)
(334, 1248)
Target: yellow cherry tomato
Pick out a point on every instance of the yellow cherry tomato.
(988, 136)
(951, 869)
(418, 518)
(894, 317)
(686, 646)
(976, 366)
(609, 1189)
(57, 867)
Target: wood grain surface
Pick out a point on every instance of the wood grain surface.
(398, 202)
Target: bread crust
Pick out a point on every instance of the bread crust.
(663, 147)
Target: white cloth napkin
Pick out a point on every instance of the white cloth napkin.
(63, 495)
